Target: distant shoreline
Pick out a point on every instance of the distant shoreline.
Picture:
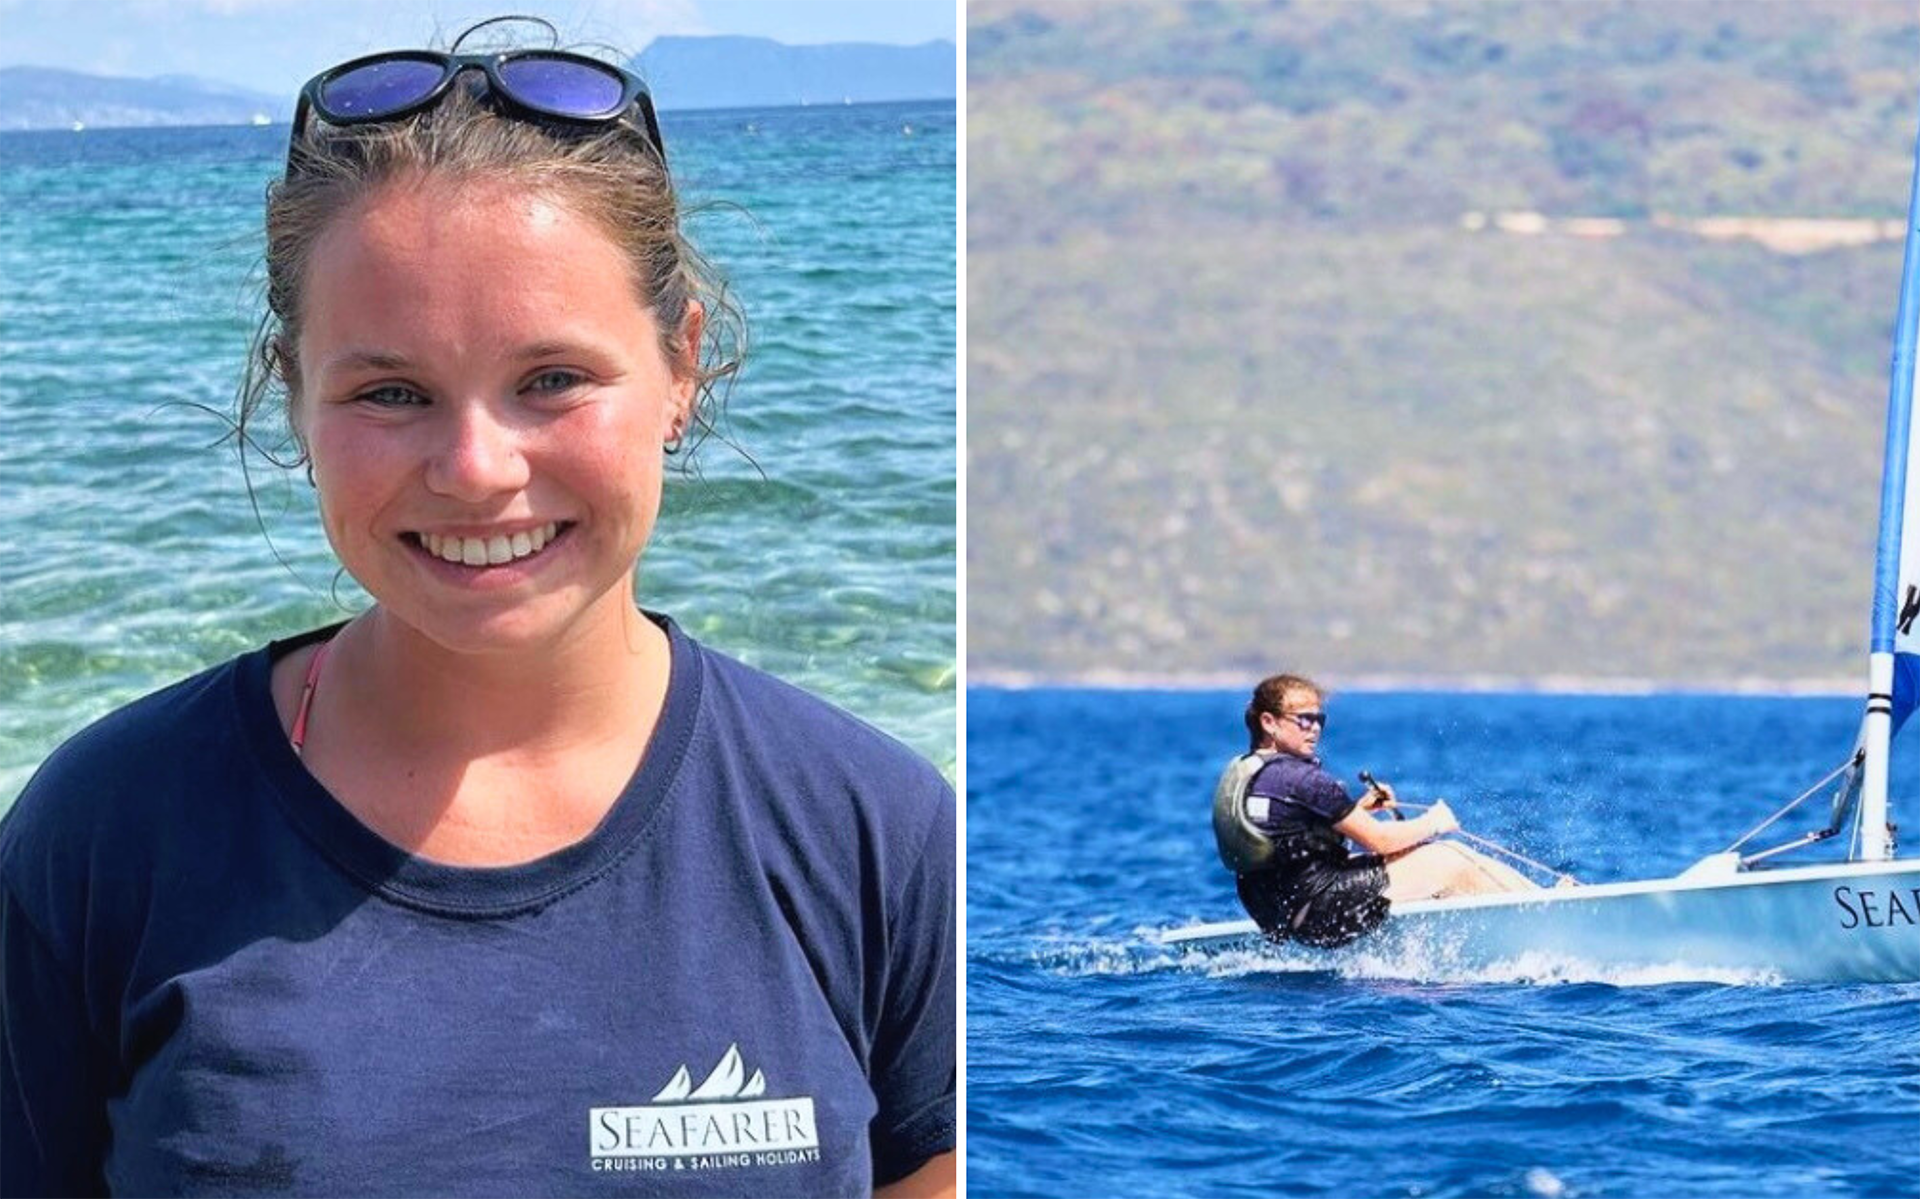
(1482, 684)
(282, 123)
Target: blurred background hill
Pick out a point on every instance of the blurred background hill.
(1414, 340)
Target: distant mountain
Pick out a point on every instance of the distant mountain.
(684, 72)
(757, 72)
(1262, 386)
(45, 98)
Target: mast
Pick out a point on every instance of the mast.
(1893, 653)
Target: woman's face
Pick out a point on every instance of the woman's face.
(1287, 734)
(485, 401)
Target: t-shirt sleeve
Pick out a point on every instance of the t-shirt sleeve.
(53, 1110)
(914, 1046)
(1325, 795)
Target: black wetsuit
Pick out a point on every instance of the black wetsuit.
(1315, 890)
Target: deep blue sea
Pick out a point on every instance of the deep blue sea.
(819, 545)
(1101, 1064)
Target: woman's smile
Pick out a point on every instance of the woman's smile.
(487, 549)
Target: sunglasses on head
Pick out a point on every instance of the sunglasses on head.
(1305, 721)
(549, 85)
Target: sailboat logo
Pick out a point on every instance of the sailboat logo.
(726, 1121)
(723, 1083)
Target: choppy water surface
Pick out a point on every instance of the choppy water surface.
(134, 558)
(1099, 1062)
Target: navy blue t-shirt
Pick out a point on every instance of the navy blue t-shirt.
(218, 981)
(1297, 792)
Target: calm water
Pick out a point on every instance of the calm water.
(133, 556)
(1098, 1064)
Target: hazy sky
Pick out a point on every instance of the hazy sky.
(273, 46)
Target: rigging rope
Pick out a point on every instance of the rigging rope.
(1495, 847)
(1518, 857)
(1809, 793)
(1803, 797)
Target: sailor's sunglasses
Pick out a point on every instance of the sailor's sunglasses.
(551, 85)
(1305, 721)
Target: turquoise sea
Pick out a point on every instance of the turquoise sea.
(819, 545)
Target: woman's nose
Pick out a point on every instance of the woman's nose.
(477, 457)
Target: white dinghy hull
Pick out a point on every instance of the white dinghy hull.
(1836, 923)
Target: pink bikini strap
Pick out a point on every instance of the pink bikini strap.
(299, 737)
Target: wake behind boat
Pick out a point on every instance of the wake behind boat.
(1856, 920)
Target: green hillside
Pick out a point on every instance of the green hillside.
(1243, 391)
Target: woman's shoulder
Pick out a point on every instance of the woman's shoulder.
(827, 785)
(805, 733)
(1285, 774)
(1291, 766)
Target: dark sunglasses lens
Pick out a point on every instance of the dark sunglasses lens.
(379, 88)
(563, 87)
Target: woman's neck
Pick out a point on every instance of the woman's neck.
(589, 687)
(483, 759)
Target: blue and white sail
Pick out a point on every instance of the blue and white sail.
(1893, 652)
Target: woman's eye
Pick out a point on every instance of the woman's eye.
(549, 382)
(391, 395)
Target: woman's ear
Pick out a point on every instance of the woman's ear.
(686, 369)
(692, 327)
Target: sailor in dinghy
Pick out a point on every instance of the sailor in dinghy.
(1282, 823)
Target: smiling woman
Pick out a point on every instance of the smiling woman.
(448, 417)
(466, 893)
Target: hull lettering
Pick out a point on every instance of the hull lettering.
(1877, 909)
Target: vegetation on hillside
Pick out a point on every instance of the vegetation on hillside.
(1242, 391)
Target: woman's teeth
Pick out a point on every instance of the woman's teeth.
(490, 551)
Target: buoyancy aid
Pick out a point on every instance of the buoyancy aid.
(1246, 848)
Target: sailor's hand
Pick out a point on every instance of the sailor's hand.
(1379, 795)
(1440, 818)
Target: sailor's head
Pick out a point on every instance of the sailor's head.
(1286, 714)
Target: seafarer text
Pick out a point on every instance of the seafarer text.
(682, 1130)
(1877, 909)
